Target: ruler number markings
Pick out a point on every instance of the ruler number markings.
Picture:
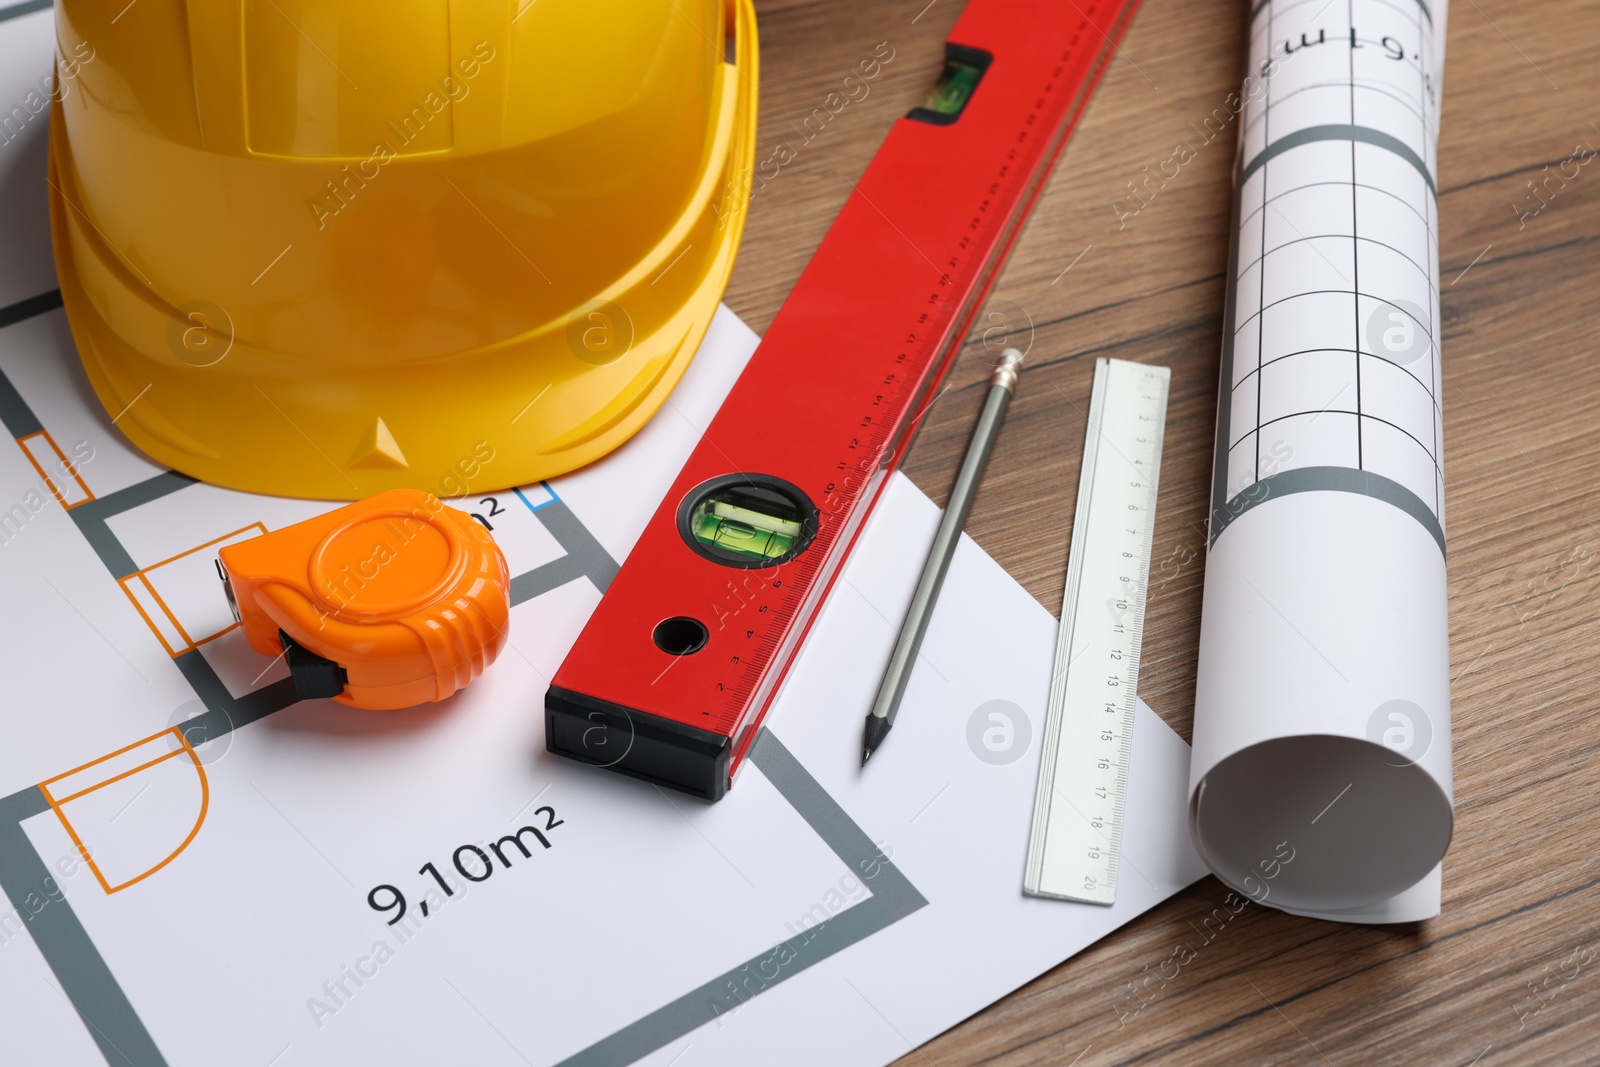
(1074, 851)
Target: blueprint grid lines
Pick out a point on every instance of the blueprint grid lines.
(92, 988)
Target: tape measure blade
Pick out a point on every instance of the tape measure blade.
(1074, 848)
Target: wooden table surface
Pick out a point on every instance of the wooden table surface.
(1510, 971)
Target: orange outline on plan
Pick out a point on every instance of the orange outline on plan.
(205, 800)
(190, 643)
(51, 441)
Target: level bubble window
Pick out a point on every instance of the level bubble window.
(747, 520)
(958, 81)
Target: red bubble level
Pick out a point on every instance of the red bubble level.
(678, 665)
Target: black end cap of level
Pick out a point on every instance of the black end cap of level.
(313, 675)
(636, 743)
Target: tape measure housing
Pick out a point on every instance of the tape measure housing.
(386, 603)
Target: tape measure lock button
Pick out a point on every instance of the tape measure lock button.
(314, 676)
(390, 602)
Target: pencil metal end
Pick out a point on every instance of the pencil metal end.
(1006, 374)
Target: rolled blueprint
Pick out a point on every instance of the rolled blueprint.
(1320, 781)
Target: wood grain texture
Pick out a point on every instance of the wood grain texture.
(1510, 972)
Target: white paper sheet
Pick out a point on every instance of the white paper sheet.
(815, 915)
(1321, 779)
(252, 938)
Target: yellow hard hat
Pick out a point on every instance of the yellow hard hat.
(328, 248)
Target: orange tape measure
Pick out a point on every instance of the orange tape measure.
(389, 602)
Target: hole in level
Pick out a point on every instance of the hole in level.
(680, 636)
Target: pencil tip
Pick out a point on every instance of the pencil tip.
(877, 730)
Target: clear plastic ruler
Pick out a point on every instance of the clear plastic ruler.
(1075, 847)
